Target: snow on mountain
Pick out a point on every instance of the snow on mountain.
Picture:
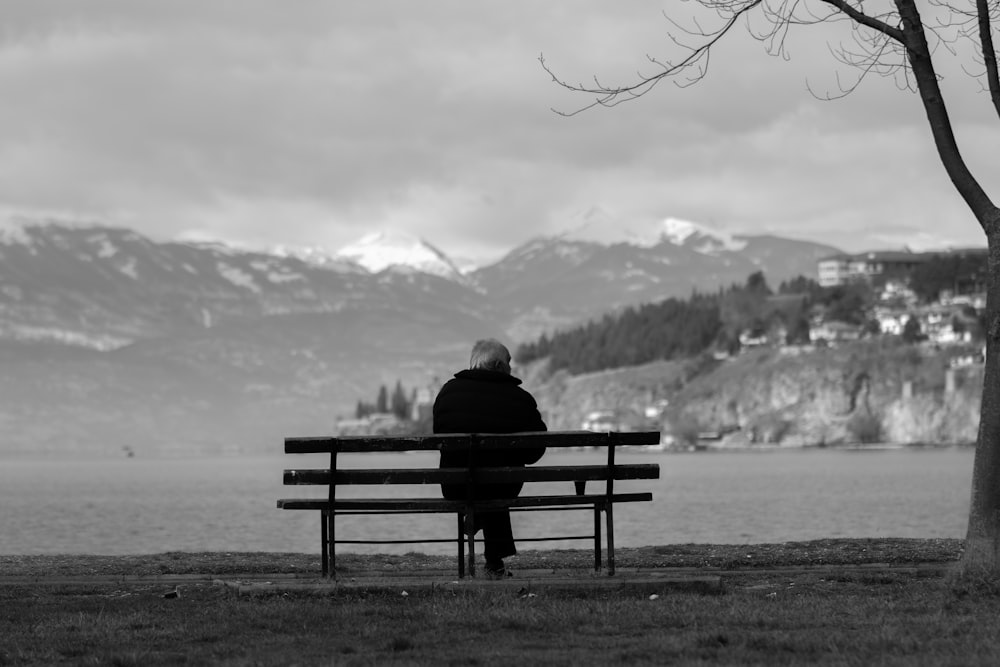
(678, 231)
(699, 237)
(382, 250)
(318, 256)
(80, 339)
(561, 248)
(602, 228)
(14, 235)
(467, 265)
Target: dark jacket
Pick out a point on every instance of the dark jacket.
(481, 401)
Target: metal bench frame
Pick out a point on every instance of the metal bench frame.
(465, 510)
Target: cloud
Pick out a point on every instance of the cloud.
(316, 122)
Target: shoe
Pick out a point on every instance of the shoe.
(498, 575)
(497, 570)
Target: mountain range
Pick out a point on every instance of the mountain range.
(111, 340)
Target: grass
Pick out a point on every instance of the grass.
(719, 556)
(827, 616)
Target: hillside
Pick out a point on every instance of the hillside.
(847, 394)
(111, 341)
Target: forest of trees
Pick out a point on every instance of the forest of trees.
(958, 272)
(398, 403)
(677, 329)
(674, 328)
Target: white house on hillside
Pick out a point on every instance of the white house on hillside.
(840, 269)
(833, 332)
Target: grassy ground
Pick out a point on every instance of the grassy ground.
(724, 556)
(822, 615)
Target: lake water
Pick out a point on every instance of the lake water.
(137, 506)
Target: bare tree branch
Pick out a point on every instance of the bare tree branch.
(989, 52)
(901, 44)
(865, 20)
(697, 58)
(778, 15)
(873, 62)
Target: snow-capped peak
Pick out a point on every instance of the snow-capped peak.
(598, 226)
(679, 232)
(381, 250)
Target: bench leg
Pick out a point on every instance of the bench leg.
(324, 542)
(597, 538)
(609, 513)
(461, 545)
(470, 521)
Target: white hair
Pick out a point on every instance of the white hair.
(491, 355)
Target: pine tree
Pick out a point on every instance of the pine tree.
(382, 402)
(911, 330)
(400, 406)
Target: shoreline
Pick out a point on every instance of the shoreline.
(702, 447)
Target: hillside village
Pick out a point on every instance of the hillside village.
(948, 316)
(931, 300)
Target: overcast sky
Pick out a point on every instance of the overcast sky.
(315, 122)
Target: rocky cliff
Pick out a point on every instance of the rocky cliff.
(868, 391)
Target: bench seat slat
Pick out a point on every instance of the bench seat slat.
(461, 441)
(483, 475)
(443, 505)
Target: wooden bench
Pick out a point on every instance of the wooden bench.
(331, 506)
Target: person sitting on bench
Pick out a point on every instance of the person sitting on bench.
(486, 398)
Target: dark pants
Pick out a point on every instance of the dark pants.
(498, 537)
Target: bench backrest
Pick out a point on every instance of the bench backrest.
(470, 442)
(465, 441)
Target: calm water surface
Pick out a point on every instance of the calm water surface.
(136, 506)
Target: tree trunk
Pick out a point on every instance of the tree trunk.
(918, 53)
(982, 541)
(982, 547)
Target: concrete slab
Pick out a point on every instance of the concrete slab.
(525, 584)
(650, 581)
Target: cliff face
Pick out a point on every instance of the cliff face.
(566, 399)
(869, 391)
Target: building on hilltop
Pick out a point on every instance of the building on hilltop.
(883, 268)
(834, 331)
(868, 266)
(975, 300)
(376, 423)
(423, 401)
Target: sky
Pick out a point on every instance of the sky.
(314, 123)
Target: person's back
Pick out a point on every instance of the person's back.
(486, 398)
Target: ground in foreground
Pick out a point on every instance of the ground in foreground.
(811, 615)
